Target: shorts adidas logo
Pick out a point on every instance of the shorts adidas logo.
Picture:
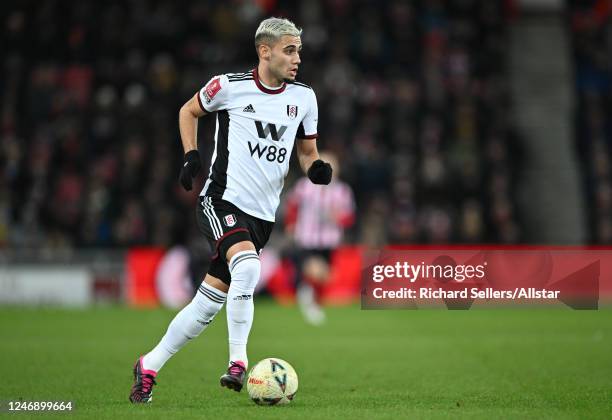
(249, 108)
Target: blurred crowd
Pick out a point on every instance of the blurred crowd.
(412, 95)
(591, 23)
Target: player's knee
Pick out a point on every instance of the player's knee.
(207, 303)
(316, 269)
(245, 269)
(238, 247)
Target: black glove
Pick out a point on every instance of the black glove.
(320, 172)
(190, 168)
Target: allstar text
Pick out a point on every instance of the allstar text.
(473, 293)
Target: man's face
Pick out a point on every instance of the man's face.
(285, 57)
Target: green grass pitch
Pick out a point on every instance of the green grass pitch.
(494, 363)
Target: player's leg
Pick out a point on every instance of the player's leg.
(189, 322)
(186, 325)
(315, 274)
(304, 292)
(239, 238)
(244, 267)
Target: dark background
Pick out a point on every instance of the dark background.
(413, 96)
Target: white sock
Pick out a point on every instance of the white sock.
(308, 304)
(245, 269)
(186, 325)
(306, 295)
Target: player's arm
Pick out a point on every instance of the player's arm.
(188, 127)
(188, 123)
(318, 172)
(215, 96)
(307, 153)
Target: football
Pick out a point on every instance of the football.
(272, 381)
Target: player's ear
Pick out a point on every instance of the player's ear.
(264, 51)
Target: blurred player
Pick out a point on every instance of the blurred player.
(316, 217)
(260, 114)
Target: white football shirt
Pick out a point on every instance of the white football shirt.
(254, 137)
(320, 213)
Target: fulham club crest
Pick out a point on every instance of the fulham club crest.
(230, 220)
(292, 111)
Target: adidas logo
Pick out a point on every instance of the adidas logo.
(249, 108)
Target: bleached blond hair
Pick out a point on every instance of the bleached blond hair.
(272, 29)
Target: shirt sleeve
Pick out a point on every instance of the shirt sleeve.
(308, 126)
(214, 96)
